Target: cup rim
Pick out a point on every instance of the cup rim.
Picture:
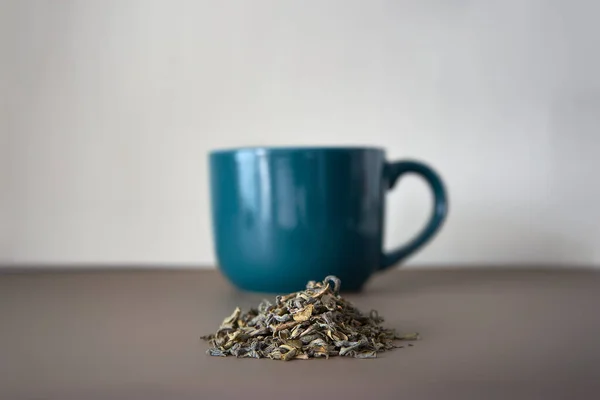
(289, 149)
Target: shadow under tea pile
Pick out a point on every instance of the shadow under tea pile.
(316, 322)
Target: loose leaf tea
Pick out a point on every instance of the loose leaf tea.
(316, 322)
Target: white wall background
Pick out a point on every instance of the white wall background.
(109, 107)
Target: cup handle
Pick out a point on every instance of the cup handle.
(392, 172)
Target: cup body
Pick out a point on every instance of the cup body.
(284, 216)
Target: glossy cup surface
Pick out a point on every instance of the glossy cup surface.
(284, 216)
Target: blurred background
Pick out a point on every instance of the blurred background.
(108, 109)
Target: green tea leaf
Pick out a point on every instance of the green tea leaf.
(232, 318)
(313, 323)
(304, 315)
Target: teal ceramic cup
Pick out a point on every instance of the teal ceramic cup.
(284, 216)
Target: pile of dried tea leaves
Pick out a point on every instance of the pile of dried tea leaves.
(316, 322)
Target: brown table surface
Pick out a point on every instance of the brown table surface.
(486, 334)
